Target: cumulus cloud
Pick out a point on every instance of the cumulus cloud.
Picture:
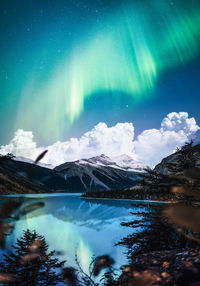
(22, 144)
(102, 139)
(149, 147)
(154, 144)
(179, 122)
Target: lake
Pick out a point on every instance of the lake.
(72, 226)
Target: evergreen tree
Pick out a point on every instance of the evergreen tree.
(157, 182)
(186, 159)
(7, 157)
(30, 263)
(109, 278)
(156, 232)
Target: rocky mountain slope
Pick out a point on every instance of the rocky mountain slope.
(101, 173)
(13, 183)
(94, 174)
(28, 174)
(177, 174)
(163, 166)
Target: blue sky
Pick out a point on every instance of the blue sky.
(67, 65)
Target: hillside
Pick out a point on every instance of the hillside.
(176, 175)
(101, 173)
(12, 183)
(94, 174)
(23, 177)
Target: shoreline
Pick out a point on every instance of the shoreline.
(32, 195)
(151, 201)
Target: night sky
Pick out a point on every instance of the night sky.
(67, 65)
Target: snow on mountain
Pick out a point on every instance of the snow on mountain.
(101, 173)
(123, 162)
(93, 174)
(129, 163)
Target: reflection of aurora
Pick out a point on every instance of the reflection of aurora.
(61, 236)
(74, 226)
(126, 55)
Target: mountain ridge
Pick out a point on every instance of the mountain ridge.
(100, 173)
(93, 174)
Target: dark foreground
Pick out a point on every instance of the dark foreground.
(170, 267)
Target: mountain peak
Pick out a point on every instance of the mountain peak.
(127, 162)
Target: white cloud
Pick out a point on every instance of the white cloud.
(179, 122)
(154, 144)
(149, 147)
(22, 144)
(102, 139)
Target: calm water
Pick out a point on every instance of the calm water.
(71, 225)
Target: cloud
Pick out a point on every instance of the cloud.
(22, 144)
(179, 122)
(149, 147)
(101, 139)
(154, 144)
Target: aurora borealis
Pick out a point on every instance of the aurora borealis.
(68, 65)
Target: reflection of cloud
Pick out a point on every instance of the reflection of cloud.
(149, 147)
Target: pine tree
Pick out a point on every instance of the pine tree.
(109, 278)
(7, 157)
(156, 232)
(186, 159)
(30, 263)
(157, 182)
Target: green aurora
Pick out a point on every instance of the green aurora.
(125, 54)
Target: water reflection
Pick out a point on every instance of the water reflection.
(89, 233)
(71, 225)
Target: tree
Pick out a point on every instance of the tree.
(157, 182)
(186, 159)
(30, 263)
(7, 157)
(156, 232)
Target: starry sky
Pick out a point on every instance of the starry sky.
(67, 65)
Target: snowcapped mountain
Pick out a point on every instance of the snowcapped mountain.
(100, 173)
(128, 163)
(93, 174)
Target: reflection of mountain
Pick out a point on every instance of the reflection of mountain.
(94, 214)
(82, 210)
(71, 225)
(91, 213)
